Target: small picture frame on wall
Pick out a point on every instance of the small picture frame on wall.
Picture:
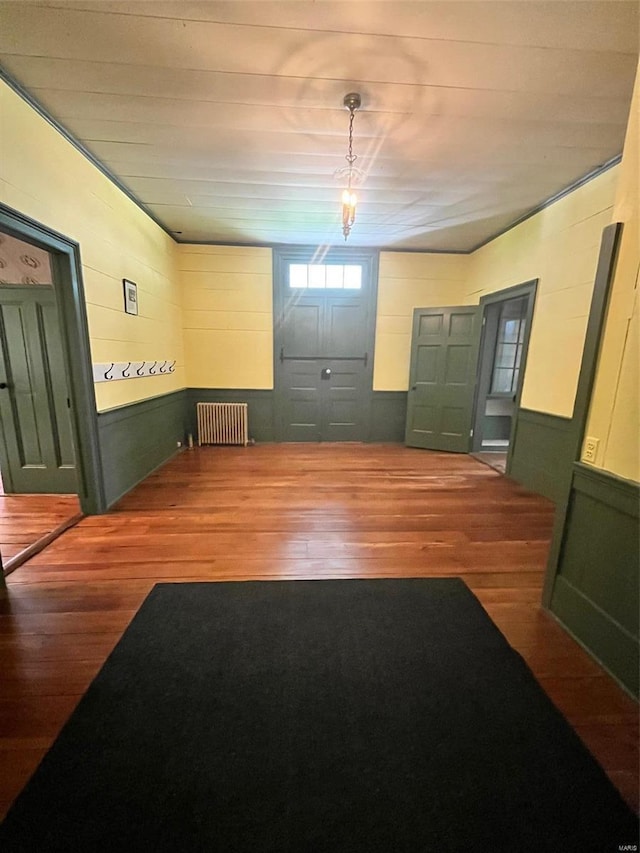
(130, 296)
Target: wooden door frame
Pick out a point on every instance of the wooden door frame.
(72, 316)
(526, 288)
(603, 283)
(284, 255)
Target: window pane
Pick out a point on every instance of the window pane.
(505, 355)
(502, 381)
(518, 355)
(523, 323)
(353, 277)
(297, 275)
(335, 274)
(509, 331)
(317, 275)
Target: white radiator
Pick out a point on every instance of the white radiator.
(223, 423)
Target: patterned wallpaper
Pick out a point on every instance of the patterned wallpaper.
(22, 263)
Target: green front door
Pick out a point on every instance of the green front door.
(324, 338)
(36, 442)
(444, 356)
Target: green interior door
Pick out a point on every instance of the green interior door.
(324, 338)
(444, 356)
(37, 446)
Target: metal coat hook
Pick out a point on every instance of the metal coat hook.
(162, 366)
(141, 368)
(108, 371)
(172, 366)
(151, 369)
(125, 372)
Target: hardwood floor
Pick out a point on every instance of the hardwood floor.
(292, 511)
(494, 459)
(27, 519)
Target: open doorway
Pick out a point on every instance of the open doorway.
(506, 328)
(38, 497)
(71, 313)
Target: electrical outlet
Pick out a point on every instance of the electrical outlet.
(590, 449)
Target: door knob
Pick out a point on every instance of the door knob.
(3, 385)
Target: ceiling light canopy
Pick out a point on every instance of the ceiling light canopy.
(352, 102)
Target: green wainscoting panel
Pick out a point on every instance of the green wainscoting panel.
(613, 648)
(388, 416)
(261, 408)
(542, 453)
(138, 438)
(387, 421)
(595, 594)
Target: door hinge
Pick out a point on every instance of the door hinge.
(470, 433)
(484, 320)
(68, 403)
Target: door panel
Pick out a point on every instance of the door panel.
(453, 421)
(444, 353)
(301, 333)
(345, 331)
(341, 401)
(427, 367)
(39, 455)
(20, 408)
(302, 405)
(424, 420)
(57, 390)
(301, 329)
(429, 325)
(456, 369)
(318, 409)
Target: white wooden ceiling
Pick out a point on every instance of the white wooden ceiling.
(225, 119)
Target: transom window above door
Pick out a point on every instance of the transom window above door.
(325, 276)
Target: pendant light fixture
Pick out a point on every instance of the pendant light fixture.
(352, 102)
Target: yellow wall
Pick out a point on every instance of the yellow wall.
(407, 281)
(614, 416)
(560, 247)
(227, 298)
(45, 177)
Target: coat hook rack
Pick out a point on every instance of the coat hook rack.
(116, 370)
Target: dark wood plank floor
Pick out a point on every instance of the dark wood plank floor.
(292, 511)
